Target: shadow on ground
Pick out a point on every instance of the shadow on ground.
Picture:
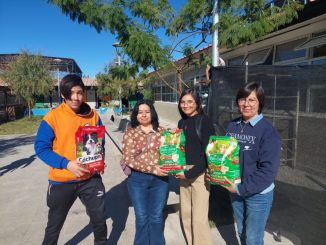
(221, 214)
(8, 145)
(299, 214)
(220, 211)
(21, 163)
(117, 208)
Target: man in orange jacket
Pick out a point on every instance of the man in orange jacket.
(55, 146)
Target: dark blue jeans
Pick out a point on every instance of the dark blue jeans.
(148, 194)
(251, 215)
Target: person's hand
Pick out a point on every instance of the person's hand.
(207, 175)
(180, 175)
(160, 172)
(76, 169)
(230, 188)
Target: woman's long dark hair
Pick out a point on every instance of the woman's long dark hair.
(195, 96)
(154, 118)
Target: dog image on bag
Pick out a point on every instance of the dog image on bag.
(91, 144)
(89, 147)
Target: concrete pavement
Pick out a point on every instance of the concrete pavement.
(23, 209)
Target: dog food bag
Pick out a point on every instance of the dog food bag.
(89, 149)
(223, 160)
(172, 151)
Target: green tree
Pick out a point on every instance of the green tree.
(117, 80)
(137, 24)
(29, 76)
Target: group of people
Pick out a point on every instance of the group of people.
(148, 184)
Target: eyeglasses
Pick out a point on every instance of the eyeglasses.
(251, 102)
(187, 102)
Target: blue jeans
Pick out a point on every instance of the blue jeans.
(148, 194)
(251, 215)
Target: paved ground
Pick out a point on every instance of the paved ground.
(23, 209)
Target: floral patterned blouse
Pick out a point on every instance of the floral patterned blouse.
(140, 151)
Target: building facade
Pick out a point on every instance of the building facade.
(303, 42)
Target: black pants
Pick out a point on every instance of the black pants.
(60, 198)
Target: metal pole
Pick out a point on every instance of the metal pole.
(117, 45)
(120, 89)
(58, 61)
(59, 96)
(296, 129)
(246, 78)
(215, 52)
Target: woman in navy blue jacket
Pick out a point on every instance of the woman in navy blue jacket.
(260, 146)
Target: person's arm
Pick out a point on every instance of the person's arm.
(207, 130)
(180, 124)
(267, 165)
(43, 147)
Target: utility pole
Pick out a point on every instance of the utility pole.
(58, 80)
(215, 51)
(117, 46)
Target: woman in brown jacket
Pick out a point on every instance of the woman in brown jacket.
(147, 184)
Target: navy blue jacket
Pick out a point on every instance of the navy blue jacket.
(260, 148)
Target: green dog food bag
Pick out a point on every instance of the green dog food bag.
(172, 151)
(223, 160)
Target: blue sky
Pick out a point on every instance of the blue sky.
(37, 26)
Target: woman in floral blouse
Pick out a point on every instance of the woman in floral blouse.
(147, 184)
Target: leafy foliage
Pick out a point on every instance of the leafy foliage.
(136, 24)
(135, 33)
(245, 21)
(117, 80)
(29, 77)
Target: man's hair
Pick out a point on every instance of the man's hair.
(154, 118)
(68, 82)
(196, 98)
(246, 90)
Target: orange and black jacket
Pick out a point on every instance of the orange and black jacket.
(55, 140)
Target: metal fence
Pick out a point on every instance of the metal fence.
(296, 105)
(11, 106)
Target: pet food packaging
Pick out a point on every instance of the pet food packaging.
(172, 151)
(223, 160)
(89, 148)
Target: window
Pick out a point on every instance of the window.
(157, 93)
(319, 62)
(316, 95)
(320, 50)
(317, 43)
(286, 51)
(257, 57)
(235, 61)
(165, 93)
